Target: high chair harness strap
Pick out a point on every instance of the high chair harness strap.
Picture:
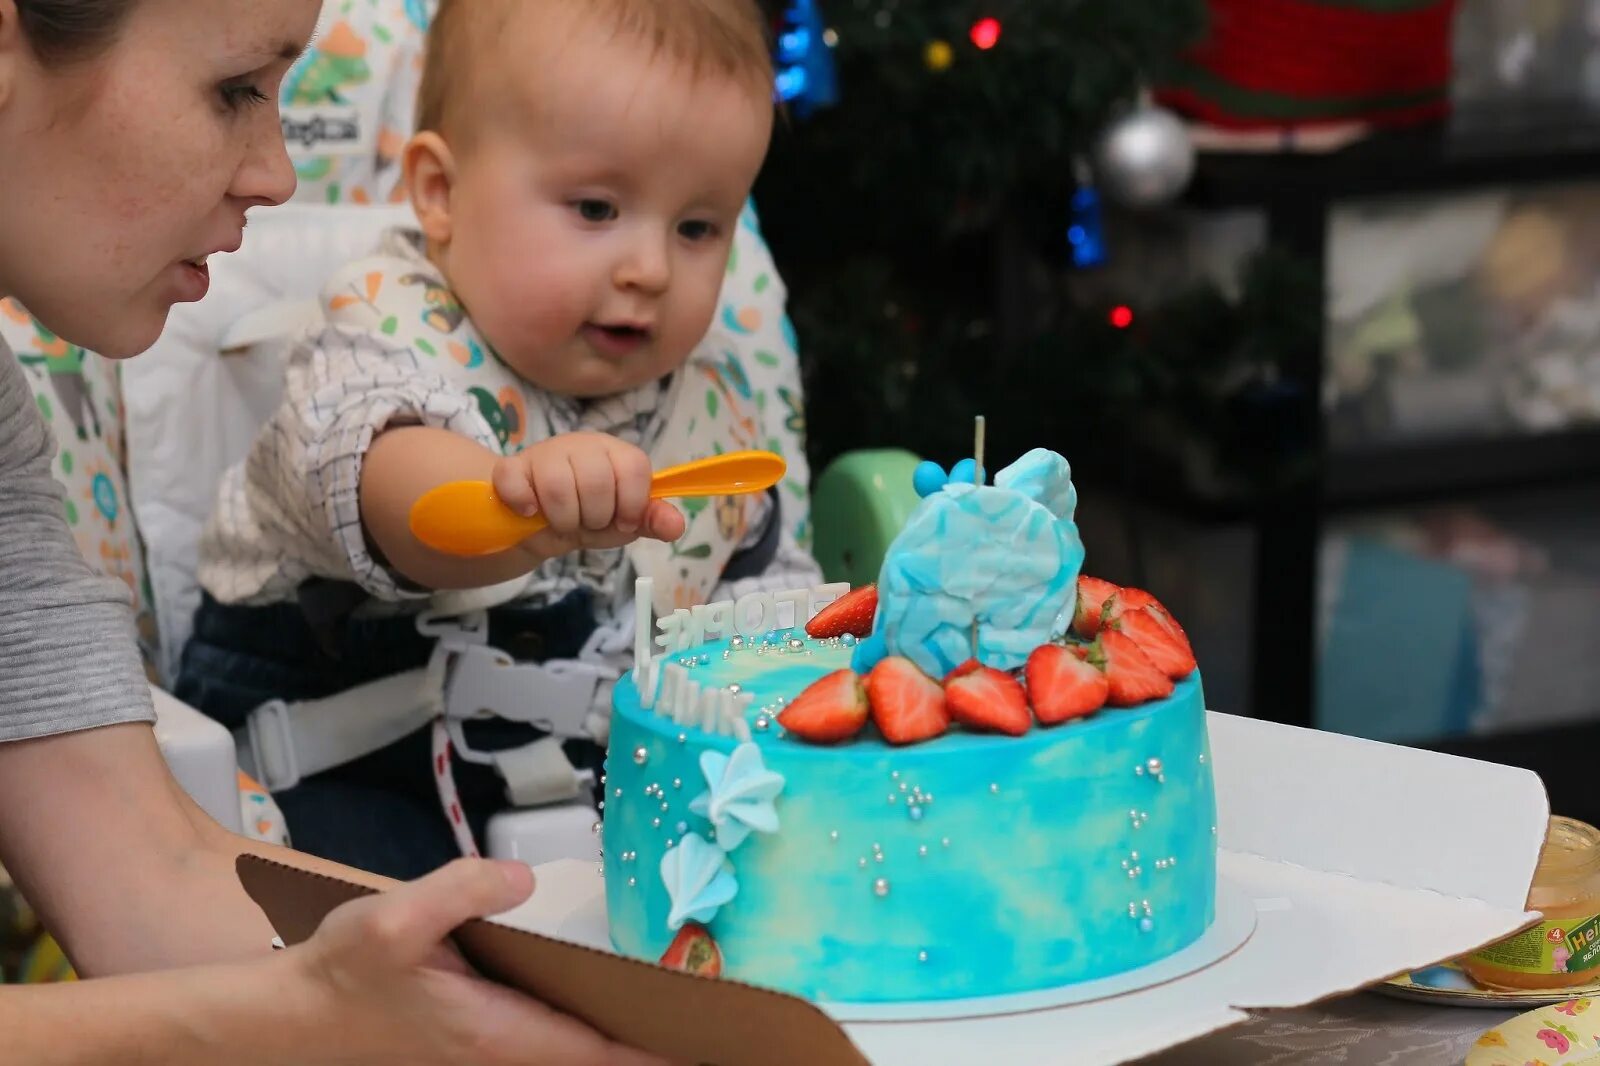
(284, 742)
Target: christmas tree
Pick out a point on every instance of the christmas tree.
(921, 223)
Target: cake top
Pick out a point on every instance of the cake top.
(980, 623)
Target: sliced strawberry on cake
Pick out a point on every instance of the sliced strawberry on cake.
(907, 704)
(1159, 638)
(693, 951)
(1124, 600)
(1093, 592)
(851, 613)
(987, 699)
(831, 709)
(1062, 686)
(964, 669)
(1131, 678)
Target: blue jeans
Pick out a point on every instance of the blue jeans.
(380, 812)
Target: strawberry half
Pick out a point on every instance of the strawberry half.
(907, 704)
(1093, 592)
(1124, 600)
(989, 699)
(1155, 635)
(963, 670)
(1131, 677)
(831, 709)
(1062, 686)
(851, 613)
(693, 951)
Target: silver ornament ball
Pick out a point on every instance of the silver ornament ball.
(1145, 158)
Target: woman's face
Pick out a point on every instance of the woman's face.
(119, 174)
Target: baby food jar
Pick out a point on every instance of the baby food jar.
(1564, 949)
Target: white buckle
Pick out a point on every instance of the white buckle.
(456, 631)
(279, 753)
(487, 681)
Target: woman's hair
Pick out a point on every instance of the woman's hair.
(65, 31)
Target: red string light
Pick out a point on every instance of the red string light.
(986, 33)
(1121, 316)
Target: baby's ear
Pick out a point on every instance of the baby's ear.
(428, 170)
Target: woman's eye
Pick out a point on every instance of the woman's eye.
(697, 231)
(595, 210)
(236, 97)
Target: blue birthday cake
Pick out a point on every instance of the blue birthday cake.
(986, 774)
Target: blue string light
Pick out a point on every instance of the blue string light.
(806, 80)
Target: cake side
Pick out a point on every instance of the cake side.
(977, 865)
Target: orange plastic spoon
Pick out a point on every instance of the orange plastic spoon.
(467, 518)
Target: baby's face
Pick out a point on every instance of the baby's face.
(590, 229)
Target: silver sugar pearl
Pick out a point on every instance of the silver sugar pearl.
(737, 642)
(1202, 756)
(922, 956)
(602, 779)
(994, 789)
(640, 756)
(833, 835)
(617, 793)
(655, 823)
(763, 723)
(1138, 771)
(945, 841)
(595, 829)
(880, 887)
(677, 782)
(736, 688)
(894, 775)
(683, 738)
(876, 846)
(1153, 765)
(1172, 860)
(862, 862)
(670, 843)
(632, 882)
(601, 806)
(902, 786)
(894, 797)
(665, 806)
(922, 850)
(796, 643)
(878, 857)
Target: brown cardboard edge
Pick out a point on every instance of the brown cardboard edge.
(679, 1016)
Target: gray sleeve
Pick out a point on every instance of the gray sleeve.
(68, 656)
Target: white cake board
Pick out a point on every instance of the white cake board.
(1360, 861)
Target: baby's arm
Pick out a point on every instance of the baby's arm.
(593, 488)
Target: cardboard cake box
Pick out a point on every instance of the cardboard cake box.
(1356, 860)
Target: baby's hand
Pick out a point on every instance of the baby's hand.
(594, 489)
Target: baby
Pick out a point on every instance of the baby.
(578, 174)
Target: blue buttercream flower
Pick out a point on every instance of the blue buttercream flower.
(699, 880)
(741, 793)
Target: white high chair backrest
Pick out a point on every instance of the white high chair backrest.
(192, 413)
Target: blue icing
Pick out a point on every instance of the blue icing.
(698, 880)
(740, 796)
(1031, 891)
(1005, 555)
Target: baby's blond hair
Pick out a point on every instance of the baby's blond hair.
(718, 37)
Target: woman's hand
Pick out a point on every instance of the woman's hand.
(382, 972)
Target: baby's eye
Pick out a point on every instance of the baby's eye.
(697, 230)
(595, 210)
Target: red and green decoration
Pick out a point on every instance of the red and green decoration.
(1124, 649)
(1285, 63)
